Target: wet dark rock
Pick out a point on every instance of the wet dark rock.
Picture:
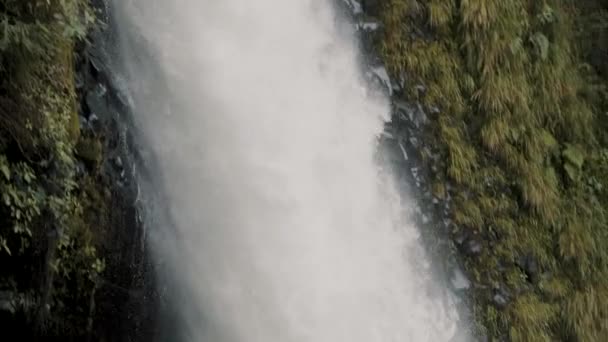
(501, 298)
(350, 8)
(371, 7)
(469, 245)
(81, 169)
(95, 68)
(94, 124)
(420, 88)
(83, 122)
(118, 162)
(474, 247)
(78, 82)
(98, 105)
(530, 267)
(379, 79)
(421, 117)
(369, 25)
(126, 302)
(414, 142)
(405, 141)
(403, 152)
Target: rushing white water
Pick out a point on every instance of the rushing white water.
(285, 227)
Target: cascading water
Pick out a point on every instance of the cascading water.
(284, 227)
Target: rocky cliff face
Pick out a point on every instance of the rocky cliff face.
(405, 141)
(127, 300)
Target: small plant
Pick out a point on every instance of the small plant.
(41, 206)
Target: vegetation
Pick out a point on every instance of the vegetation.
(518, 93)
(47, 246)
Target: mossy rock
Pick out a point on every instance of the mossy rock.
(90, 150)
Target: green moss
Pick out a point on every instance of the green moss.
(521, 126)
(65, 58)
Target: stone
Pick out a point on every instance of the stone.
(81, 169)
(354, 6)
(421, 117)
(118, 162)
(474, 247)
(94, 124)
(414, 142)
(98, 105)
(530, 267)
(403, 152)
(368, 25)
(381, 73)
(84, 123)
(79, 81)
(371, 7)
(501, 298)
(95, 67)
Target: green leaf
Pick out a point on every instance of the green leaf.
(548, 139)
(516, 45)
(572, 171)
(547, 15)
(551, 176)
(4, 246)
(541, 43)
(574, 155)
(5, 171)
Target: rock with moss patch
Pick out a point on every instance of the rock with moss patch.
(90, 150)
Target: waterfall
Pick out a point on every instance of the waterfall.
(284, 226)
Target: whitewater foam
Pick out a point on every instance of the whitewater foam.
(285, 227)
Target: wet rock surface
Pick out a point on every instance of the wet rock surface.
(406, 149)
(127, 300)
